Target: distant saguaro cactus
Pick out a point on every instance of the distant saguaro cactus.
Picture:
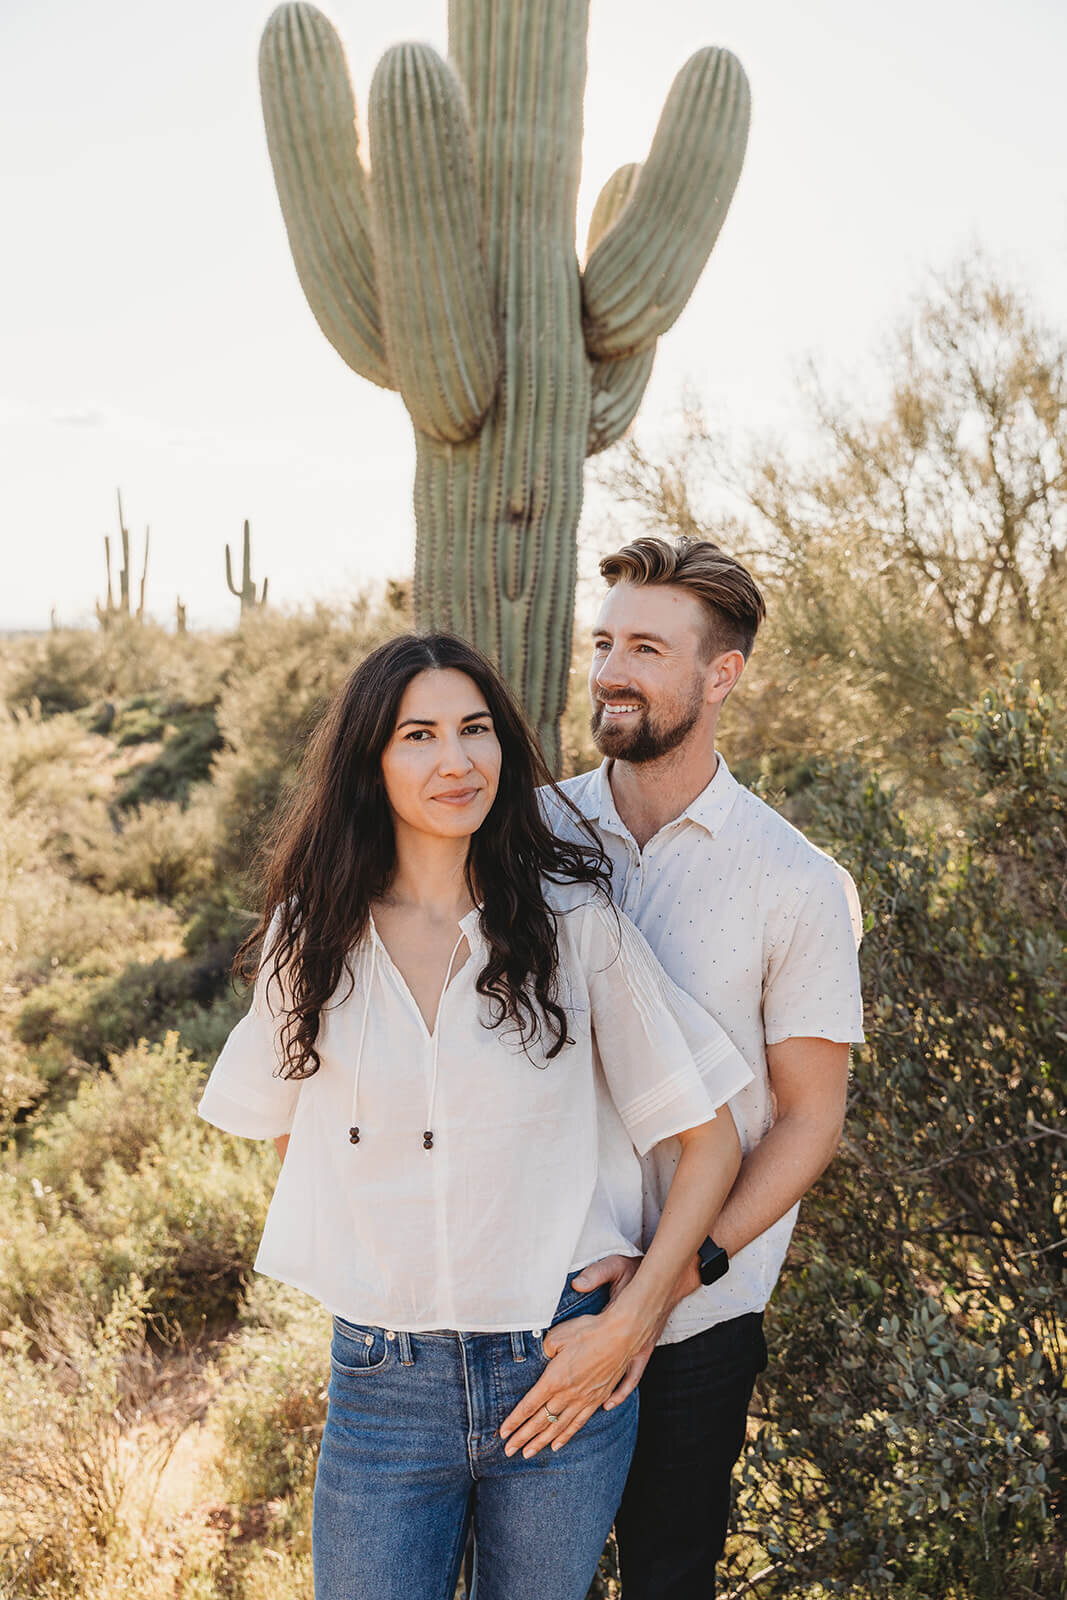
(247, 592)
(110, 610)
(449, 272)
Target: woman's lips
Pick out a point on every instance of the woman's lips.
(458, 797)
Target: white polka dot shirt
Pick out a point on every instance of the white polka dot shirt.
(762, 928)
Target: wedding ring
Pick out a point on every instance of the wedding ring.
(550, 1416)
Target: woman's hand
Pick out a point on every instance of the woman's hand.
(587, 1358)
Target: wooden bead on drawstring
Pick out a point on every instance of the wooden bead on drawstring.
(427, 1139)
(353, 1135)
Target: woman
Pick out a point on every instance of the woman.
(445, 990)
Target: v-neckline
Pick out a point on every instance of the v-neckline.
(450, 975)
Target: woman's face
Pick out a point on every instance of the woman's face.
(442, 764)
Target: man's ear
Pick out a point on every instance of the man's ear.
(723, 673)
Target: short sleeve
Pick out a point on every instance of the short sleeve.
(667, 1062)
(811, 985)
(246, 1093)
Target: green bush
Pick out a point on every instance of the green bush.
(914, 1438)
(93, 1017)
(273, 1407)
(127, 1180)
(185, 760)
(159, 852)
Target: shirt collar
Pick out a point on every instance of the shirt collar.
(710, 808)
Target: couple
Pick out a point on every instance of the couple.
(502, 1167)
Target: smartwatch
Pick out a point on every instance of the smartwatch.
(714, 1262)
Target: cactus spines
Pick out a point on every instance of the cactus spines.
(247, 592)
(451, 274)
(110, 610)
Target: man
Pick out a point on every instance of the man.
(760, 927)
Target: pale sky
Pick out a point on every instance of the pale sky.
(154, 335)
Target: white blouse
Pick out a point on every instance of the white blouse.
(479, 1231)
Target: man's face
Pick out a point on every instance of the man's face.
(648, 678)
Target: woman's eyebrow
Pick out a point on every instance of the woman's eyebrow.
(431, 722)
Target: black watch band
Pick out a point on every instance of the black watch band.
(714, 1262)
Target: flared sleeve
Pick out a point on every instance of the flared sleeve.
(246, 1093)
(668, 1063)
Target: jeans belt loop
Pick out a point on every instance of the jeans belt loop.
(518, 1346)
(407, 1355)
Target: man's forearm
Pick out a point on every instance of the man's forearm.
(773, 1177)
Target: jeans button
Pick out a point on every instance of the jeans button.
(368, 1338)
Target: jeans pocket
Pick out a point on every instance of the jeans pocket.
(355, 1350)
(574, 1303)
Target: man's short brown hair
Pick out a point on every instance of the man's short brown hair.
(730, 595)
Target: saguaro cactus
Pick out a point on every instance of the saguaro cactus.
(247, 592)
(449, 273)
(107, 612)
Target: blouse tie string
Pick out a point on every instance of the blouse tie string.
(353, 1132)
(427, 1136)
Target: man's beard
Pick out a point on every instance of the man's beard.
(647, 739)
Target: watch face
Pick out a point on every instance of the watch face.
(714, 1263)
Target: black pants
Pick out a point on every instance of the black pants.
(671, 1526)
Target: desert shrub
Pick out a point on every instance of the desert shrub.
(185, 760)
(70, 668)
(158, 852)
(93, 1017)
(914, 1438)
(58, 672)
(75, 1387)
(273, 1407)
(60, 926)
(127, 1180)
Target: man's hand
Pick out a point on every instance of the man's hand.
(616, 1270)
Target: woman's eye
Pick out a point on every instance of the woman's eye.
(416, 735)
(476, 727)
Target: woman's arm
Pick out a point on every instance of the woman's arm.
(281, 1144)
(588, 1355)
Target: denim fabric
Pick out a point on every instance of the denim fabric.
(412, 1455)
(671, 1526)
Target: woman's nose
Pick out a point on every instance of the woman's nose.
(454, 758)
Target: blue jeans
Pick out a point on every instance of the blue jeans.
(412, 1454)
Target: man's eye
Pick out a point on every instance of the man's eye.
(600, 644)
(650, 647)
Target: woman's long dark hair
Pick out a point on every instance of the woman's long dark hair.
(331, 851)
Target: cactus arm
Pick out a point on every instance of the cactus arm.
(611, 202)
(618, 389)
(144, 574)
(437, 307)
(645, 267)
(619, 385)
(310, 117)
(229, 577)
(263, 596)
(110, 595)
